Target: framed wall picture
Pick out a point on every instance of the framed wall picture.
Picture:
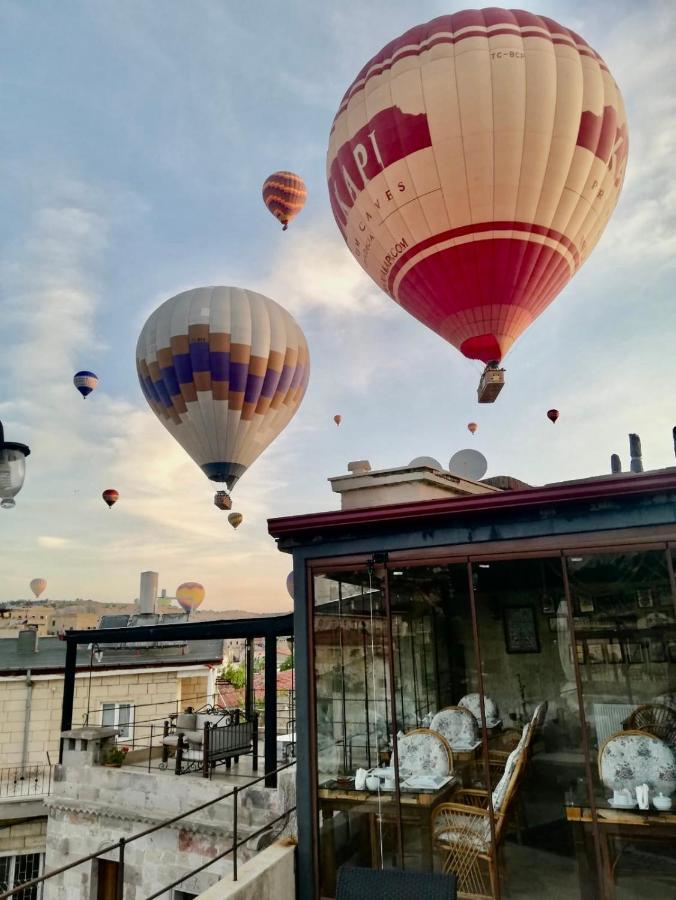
(644, 598)
(658, 652)
(595, 654)
(521, 632)
(633, 652)
(586, 605)
(614, 653)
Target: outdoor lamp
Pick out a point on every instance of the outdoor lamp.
(12, 469)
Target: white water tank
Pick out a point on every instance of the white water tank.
(148, 594)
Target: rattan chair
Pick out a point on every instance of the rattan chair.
(462, 831)
(655, 719)
(355, 883)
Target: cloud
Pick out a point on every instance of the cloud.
(50, 542)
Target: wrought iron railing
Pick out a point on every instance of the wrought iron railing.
(25, 781)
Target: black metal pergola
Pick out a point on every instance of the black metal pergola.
(268, 627)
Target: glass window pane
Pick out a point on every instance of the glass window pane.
(26, 868)
(5, 872)
(537, 764)
(108, 715)
(440, 756)
(123, 719)
(625, 632)
(354, 723)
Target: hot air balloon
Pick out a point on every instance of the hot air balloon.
(189, 595)
(472, 427)
(110, 496)
(85, 382)
(222, 500)
(337, 419)
(289, 584)
(552, 415)
(472, 167)
(284, 194)
(235, 519)
(224, 370)
(38, 585)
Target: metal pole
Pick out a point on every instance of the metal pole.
(234, 830)
(150, 748)
(270, 710)
(120, 872)
(393, 702)
(366, 695)
(248, 686)
(68, 690)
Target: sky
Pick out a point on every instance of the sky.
(134, 140)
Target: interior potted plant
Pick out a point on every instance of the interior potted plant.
(115, 756)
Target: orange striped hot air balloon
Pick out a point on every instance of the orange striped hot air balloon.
(190, 595)
(472, 427)
(284, 194)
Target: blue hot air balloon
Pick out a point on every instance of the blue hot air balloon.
(85, 382)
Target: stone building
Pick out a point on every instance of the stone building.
(127, 687)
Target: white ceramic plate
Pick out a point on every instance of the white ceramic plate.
(623, 804)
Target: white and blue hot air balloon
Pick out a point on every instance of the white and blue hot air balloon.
(85, 382)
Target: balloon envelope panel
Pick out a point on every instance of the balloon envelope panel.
(472, 167)
(224, 370)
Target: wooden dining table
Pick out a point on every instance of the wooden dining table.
(615, 827)
(417, 807)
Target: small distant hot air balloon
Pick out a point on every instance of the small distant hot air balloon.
(284, 194)
(289, 584)
(552, 415)
(337, 419)
(85, 382)
(235, 519)
(222, 500)
(472, 427)
(110, 496)
(37, 586)
(189, 595)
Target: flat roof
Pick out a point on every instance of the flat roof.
(603, 487)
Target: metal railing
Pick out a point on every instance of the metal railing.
(25, 781)
(120, 845)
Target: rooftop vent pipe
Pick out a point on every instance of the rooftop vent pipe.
(615, 464)
(636, 464)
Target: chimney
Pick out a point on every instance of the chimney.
(28, 640)
(146, 603)
(636, 464)
(615, 464)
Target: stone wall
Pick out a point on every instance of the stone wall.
(92, 807)
(271, 875)
(24, 837)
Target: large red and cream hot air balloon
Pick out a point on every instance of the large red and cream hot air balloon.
(472, 167)
(284, 194)
(224, 370)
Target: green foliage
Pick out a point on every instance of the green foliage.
(259, 664)
(287, 664)
(234, 674)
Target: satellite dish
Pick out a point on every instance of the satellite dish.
(468, 464)
(425, 461)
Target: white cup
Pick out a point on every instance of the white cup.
(372, 782)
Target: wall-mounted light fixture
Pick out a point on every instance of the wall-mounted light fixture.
(12, 469)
